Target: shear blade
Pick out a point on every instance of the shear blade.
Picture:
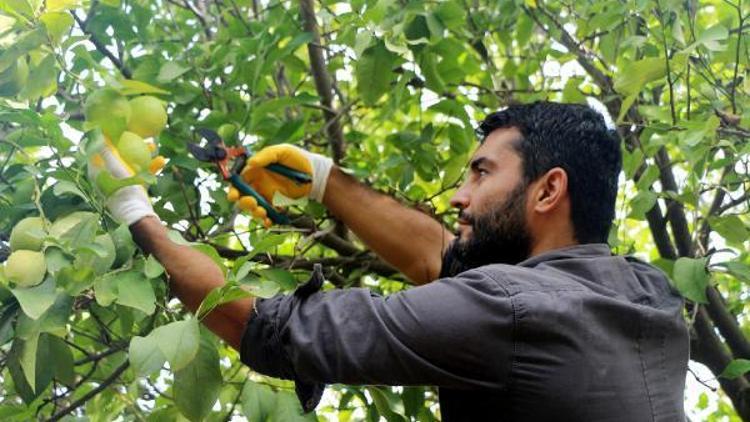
(211, 136)
(200, 153)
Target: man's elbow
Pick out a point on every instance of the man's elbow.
(424, 271)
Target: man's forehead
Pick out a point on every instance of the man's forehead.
(500, 145)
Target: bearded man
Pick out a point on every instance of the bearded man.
(523, 315)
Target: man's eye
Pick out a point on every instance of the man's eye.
(483, 172)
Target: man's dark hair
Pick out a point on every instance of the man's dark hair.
(575, 138)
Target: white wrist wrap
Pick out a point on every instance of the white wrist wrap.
(128, 204)
(321, 166)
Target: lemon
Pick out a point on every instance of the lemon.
(148, 116)
(108, 110)
(25, 268)
(134, 150)
(28, 234)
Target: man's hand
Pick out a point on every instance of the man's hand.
(267, 182)
(128, 204)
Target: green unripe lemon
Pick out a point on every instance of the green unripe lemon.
(148, 116)
(134, 150)
(25, 268)
(28, 234)
(109, 110)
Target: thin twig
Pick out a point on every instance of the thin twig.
(86, 397)
(102, 48)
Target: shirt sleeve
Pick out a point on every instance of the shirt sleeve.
(454, 332)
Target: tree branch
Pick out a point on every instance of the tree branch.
(88, 396)
(707, 348)
(583, 57)
(102, 48)
(727, 324)
(364, 261)
(322, 80)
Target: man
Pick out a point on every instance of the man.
(532, 318)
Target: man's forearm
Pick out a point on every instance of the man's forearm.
(192, 276)
(406, 238)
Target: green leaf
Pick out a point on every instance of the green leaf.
(258, 401)
(691, 278)
(42, 81)
(22, 45)
(21, 7)
(710, 37)
(145, 355)
(635, 75)
(36, 300)
(433, 79)
(152, 268)
(384, 406)
(34, 358)
(65, 187)
(57, 24)
(74, 279)
(179, 342)
(283, 278)
(641, 204)
(266, 243)
(280, 200)
(625, 106)
(197, 386)
(730, 228)
(219, 296)
(261, 287)
(171, 71)
(129, 288)
(105, 289)
(374, 72)
(451, 14)
(135, 291)
(60, 5)
(54, 321)
(109, 184)
(739, 270)
(63, 366)
(133, 87)
(736, 369)
(288, 409)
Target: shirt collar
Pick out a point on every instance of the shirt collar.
(587, 250)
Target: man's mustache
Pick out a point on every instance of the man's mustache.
(466, 217)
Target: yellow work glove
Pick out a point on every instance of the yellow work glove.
(267, 183)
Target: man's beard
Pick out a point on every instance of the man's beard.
(498, 236)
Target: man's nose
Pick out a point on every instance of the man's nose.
(460, 199)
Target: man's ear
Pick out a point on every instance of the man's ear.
(551, 190)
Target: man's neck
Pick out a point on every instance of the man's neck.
(549, 243)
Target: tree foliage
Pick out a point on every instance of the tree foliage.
(391, 89)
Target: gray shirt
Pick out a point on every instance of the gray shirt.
(574, 334)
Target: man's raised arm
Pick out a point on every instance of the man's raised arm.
(406, 238)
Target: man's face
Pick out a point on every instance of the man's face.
(492, 202)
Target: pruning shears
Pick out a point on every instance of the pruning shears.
(230, 162)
